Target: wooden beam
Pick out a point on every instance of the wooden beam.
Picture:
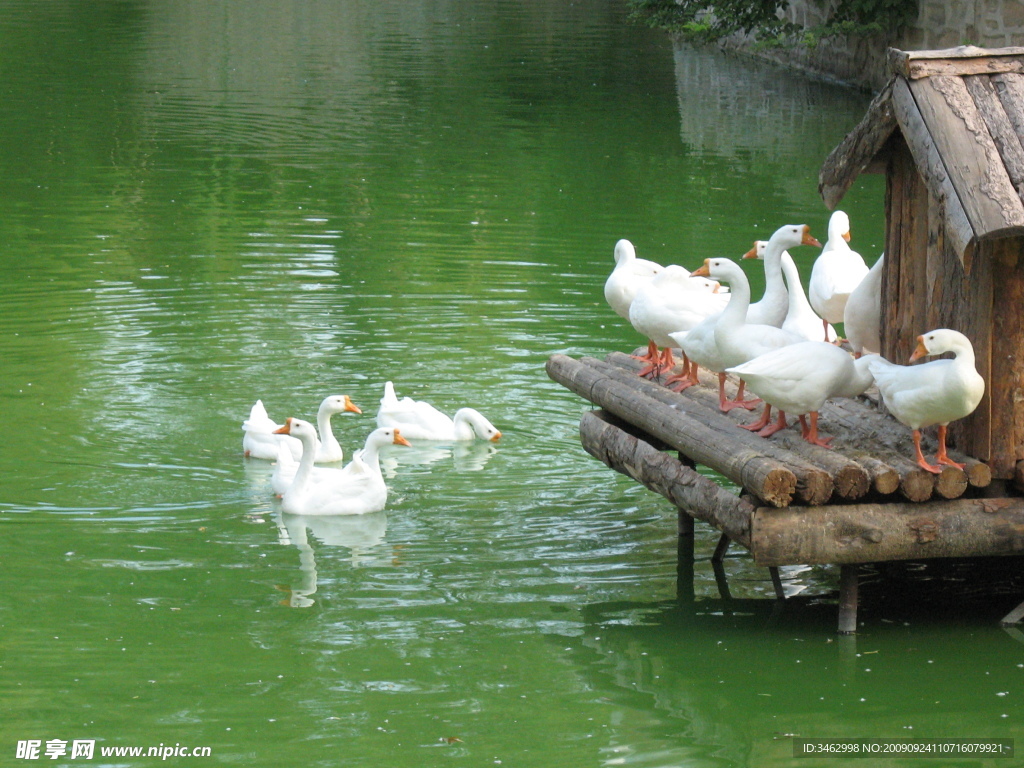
(857, 151)
(603, 438)
(865, 533)
(770, 480)
(964, 60)
(970, 156)
(930, 166)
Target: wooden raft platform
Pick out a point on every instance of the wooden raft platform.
(862, 501)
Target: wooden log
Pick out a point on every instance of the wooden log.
(884, 479)
(896, 472)
(855, 153)
(770, 480)
(602, 436)
(863, 433)
(865, 533)
(971, 158)
(963, 60)
(883, 433)
(929, 163)
(813, 480)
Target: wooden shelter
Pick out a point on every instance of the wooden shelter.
(948, 132)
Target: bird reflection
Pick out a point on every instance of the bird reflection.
(359, 533)
(466, 456)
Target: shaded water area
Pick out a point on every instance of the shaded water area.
(209, 203)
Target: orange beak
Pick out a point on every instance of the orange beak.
(920, 350)
(702, 271)
(350, 406)
(496, 438)
(399, 440)
(286, 429)
(752, 253)
(846, 237)
(808, 238)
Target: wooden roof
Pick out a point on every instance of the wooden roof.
(961, 112)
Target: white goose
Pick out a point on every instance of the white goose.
(936, 392)
(357, 489)
(862, 318)
(774, 303)
(421, 421)
(837, 271)
(672, 301)
(735, 340)
(798, 379)
(801, 319)
(625, 279)
(262, 440)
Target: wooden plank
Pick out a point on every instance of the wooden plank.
(970, 156)
(865, 533)
(930, 166)
(769, 480)
(1005, 381)
(603, 436)
(855, 153)
(1000, 127)
(970, 311)
(1010, 89)
(963, 60)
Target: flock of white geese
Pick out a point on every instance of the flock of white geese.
(300, 451)
(783, 347)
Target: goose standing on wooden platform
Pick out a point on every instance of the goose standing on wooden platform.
(625, 279)
(672, 301)
(936, 392)
(262, 437)
(862, 318)
(735, 340)
(798, 379)
(357, 489)
(836, 272)
(419, 420)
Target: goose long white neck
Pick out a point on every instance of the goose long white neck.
(305, 464)
(327, 438)
(774, 286)
(735, 312)
(797, 298)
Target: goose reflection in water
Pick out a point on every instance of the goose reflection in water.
(467, 457)
(361, 534)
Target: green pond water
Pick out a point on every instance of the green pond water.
(206, 203)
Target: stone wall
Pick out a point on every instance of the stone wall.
(939, 24)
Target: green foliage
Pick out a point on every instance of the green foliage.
(710, 20)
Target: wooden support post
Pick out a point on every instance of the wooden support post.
(685, 593)
(848, 584)
(721, 580)
(780, 593)
(720, 549)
